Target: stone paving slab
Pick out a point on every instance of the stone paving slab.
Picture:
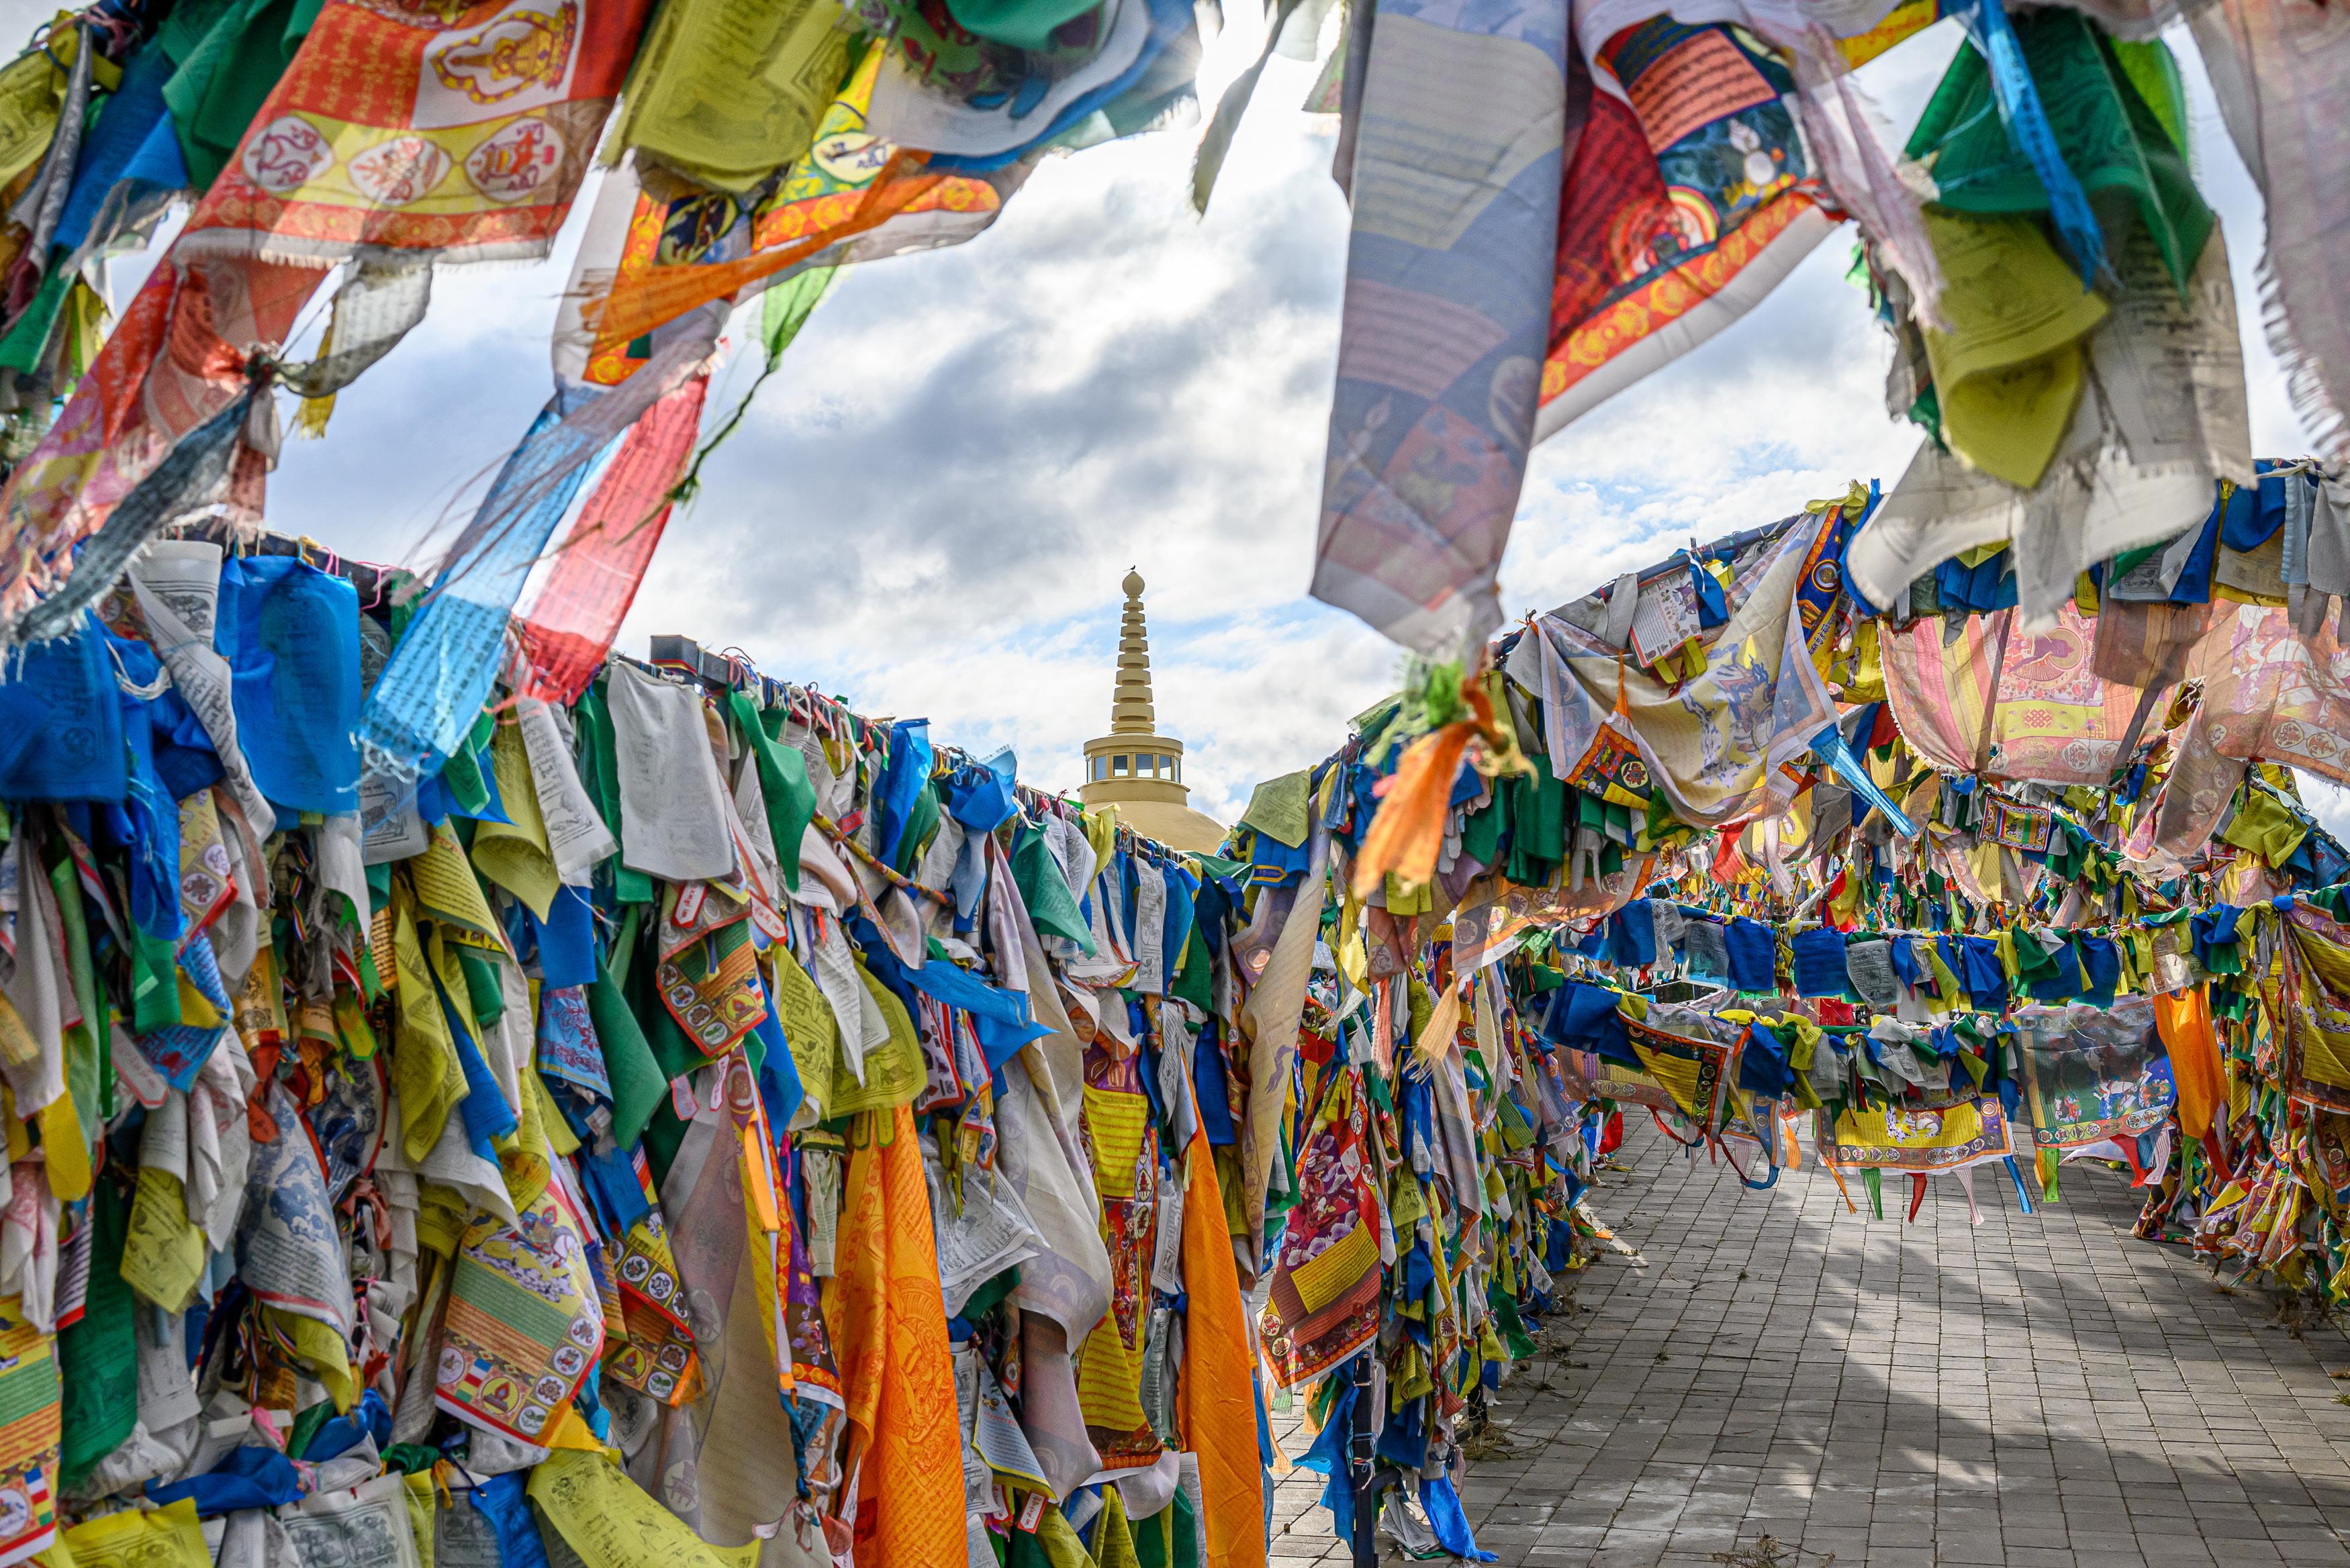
(2044, 1391)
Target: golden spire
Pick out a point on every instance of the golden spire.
(1135, 770)
(1129, 706)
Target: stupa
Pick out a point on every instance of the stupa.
(1133, 767)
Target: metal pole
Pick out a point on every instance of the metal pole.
(1363, 1466)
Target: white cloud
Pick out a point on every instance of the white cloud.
(2329, 803)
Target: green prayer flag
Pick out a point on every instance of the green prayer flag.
(674, 1052)
(1052, 1545)
(1537, 807)
(1480, 832)
(1280, 808)
(637, 1081)
(1169, 1538)
(2033, 961)
(27, 341)
(1195, 981)
(89, 1045)
(599, 771)
(230, 54)
(2110, 136)
(154, 983)
(1519, 1344)
(462, 775)
(98, 1356)
(2154, 72)
(1045, 890)
(484, 996)
(306, 1425)
(785, 307)
(921, 828)
(663, 1136)
(1023, 24)
(638, 1085)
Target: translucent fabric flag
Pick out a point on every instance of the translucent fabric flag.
(418, 712)
(2271, 695)
(579, 606)
(2051, 716)
(1492, 303)
(175, 360)
(1447, 317)
(190, 475)
(441, 669)
(2281, 74)
(892, 1344)
(2091, 1075)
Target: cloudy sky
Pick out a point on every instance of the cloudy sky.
(929, 510)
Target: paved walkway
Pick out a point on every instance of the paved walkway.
(2038, 1391)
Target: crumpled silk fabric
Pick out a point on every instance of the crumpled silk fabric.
(2184, 1018)
(2271, 694)
(1714, 744)
(631, 276)
(2052, 717)
(1643, 278)
(1272, 1013)
(473, 153)
(173, 362)
(422, 170)
(1218, 1407)
(188, 479)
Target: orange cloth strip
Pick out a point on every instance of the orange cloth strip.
(1218, 1404)
(889, 1329)
(2184, 1022)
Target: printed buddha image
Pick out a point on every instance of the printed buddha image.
(1134, 768)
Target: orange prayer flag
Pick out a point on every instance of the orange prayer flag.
(889, 1333)
(2184, 1022)
(1409, 828)
(1218, 1401)
(643, 299)
(1728, 865)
